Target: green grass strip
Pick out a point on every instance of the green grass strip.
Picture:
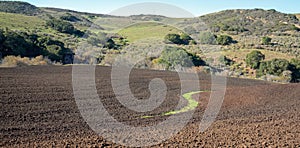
(192, 104)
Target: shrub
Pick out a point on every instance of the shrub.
(70, 17)
(277, 66)
(224, 40)
(295, 68)
(63, 27)
(2, 36)
(184, 39)
(226, 61)
(110, 44)
(295, 63)
(254, 58)
(262, 70)
(172, 57)
(266, 40)
(174, 38)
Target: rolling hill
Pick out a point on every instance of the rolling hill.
(54, 32)
(19, 7)
(251, 21)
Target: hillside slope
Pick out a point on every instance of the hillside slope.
(19, 7)
(250, 21)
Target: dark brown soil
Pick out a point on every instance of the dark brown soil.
(37, 108)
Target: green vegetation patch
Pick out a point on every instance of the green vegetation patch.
(192, 104)
(148, 30)
(21, 22)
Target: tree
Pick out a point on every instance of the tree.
(110, 44)
(14, 44)
(224, 40)
(277, 66)
(295, 68)
(207, 38)
(254, 58)
(263, 69)
(2, 36)
(266, 40)
(295, 63)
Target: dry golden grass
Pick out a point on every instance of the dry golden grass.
(13, 61)
(298, 16)
(240, 55)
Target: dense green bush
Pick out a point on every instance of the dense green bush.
(174, 56)
(226, 61)
(254, 58)
(61, 26)
(295, 68)
(110, 44)
(174, 38)
(274, 67)
(224, 40)
(281, 67)
(262, 70)
(295, 63)
(31, 45)
(70, 17)
(277, 66)
(19, 44)
(2, 36)
(266, 40)
(183, 39)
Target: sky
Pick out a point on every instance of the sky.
(195, 7)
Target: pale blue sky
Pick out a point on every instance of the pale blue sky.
(196, 7)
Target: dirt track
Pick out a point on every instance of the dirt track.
(37, 108)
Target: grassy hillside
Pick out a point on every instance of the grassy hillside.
(147, 30)
(20, 22)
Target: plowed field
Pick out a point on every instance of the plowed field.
(37, 108)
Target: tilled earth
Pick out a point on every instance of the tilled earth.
(38, 109)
